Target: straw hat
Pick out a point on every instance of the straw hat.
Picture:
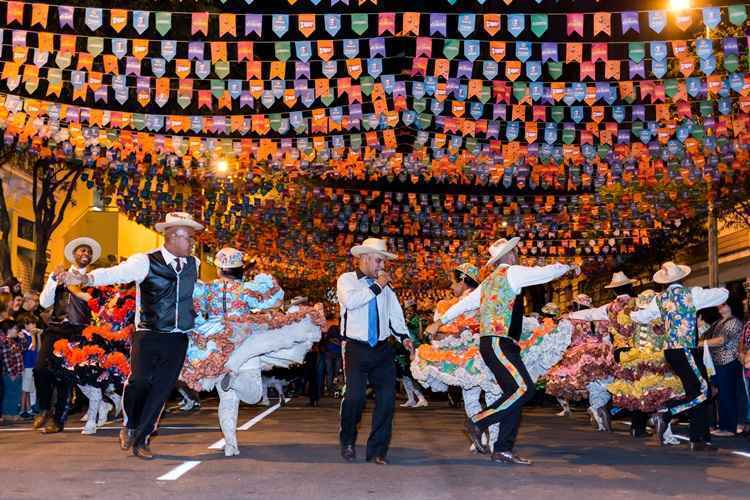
(619, 279)
(178, 219)
(500, 248)
(70, 248)
(469, 270)
(299, 299)
(551, 309)
(583, 300)
(644, 299)
(372, 245)
(228, 258)
(671, 272)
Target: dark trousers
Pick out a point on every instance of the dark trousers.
(156, 361)
(376, 364)
(638, 422)
(688, 365)
(45, 380)
(503, 357)
(728, 379)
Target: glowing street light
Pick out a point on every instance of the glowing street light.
(221, 166)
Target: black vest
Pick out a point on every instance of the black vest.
(516, 319)
(166, 297)
(69, 309)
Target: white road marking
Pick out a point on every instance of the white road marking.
(219, 445)
(740, 453)
(178, 471)
(117, 428)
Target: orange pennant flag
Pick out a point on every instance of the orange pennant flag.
(278, 70)
(85, 61)
(15, 12)
(68, 43)
(244, 51)
(39, 13)
(227, 24)
(492, 24)
(325, 49)
(602, 23)
(219, 51)
(411, 23)
(306, 24)
(683, 19)
(354, 67)
(200, 23)
(118, 19)
(573, 52)
(497, 51)
(46, 41)
(140, 48)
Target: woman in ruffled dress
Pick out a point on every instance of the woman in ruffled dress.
(98, 362)
(241, 331)
(452, 358)
(643, 380)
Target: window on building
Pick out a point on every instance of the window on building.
(25, 229)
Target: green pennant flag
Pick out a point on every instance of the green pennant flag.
(217, 88)
(275, 120)
(366, 83)
(670, 87)
(636, 128)
(636, 51)
(555, 69)
(95, 45)
(698, 133)
(359, 23)
(737, 14)
(450, 49)
(355, 141)
(731, 62)
(519, 90)
(419, 105)
(424, 120)
(558, 113)
(706, 108)
(139, 121)
(603, 150)
(221, 68)
(539, 24)
(283, 50)
(163, 22)
(471, 145)
(327, 99)
(184, 100)
(568, 135)
(486, 94)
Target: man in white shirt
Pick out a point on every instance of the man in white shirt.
(370, 314)
(165, 279)
(500, 325)
(70, 315)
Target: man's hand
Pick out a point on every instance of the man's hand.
(433, 328)
(59, 271)
(74, 278)
(383, 279)
(575, 270)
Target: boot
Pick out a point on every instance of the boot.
(53, 427)
(40, 420)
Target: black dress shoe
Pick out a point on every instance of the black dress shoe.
(52, 427)
(507, 457)
(475, 434)
(348, 453)
(126, 438)
(142, 451)
(700, 446)
(638, 433)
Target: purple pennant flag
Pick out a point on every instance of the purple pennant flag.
(299, 86)
(452, 85)
(132, 66)
(195, 50)
(19, 38)
(355, 111)
(730, 45)
(602, 90)
(246, 99)
(399, 89)
(102, 94)
(140, 21)
(65, 15)
(465, 69)
(657, 20)
(73, 114)
(549, 52)
(308, 97)
(254, 24)
(623, 136)
(377, 47)
(334, 2)
(438, 24)
(637, 69)
(639, 112)
(143, 84)
(499, 111)
(630, 22)
(286, 144)
(493, 130)
(302, 69)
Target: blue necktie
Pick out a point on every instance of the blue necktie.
(372, 318)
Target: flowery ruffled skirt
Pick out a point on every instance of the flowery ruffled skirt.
(580, 366)
(246, 348)
(456, 360)
(644, 381)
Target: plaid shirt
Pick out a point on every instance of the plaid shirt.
(11, 351)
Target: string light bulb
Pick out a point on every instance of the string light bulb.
(679, 4)
(221, 166)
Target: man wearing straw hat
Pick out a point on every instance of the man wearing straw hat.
(500, 325)
(70, 315)
(677, 307)
(370, 313)
(165, 280)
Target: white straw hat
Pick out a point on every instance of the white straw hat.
(501, 247)
(671, 272)
(178, 219)
(70, 248)
(619, 279)
(372, 245)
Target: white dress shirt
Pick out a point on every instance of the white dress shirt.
(702, 298)
(355, 294)
(135, 269)
(518, 277)
(47, 297)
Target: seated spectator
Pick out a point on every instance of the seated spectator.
(11, 353)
